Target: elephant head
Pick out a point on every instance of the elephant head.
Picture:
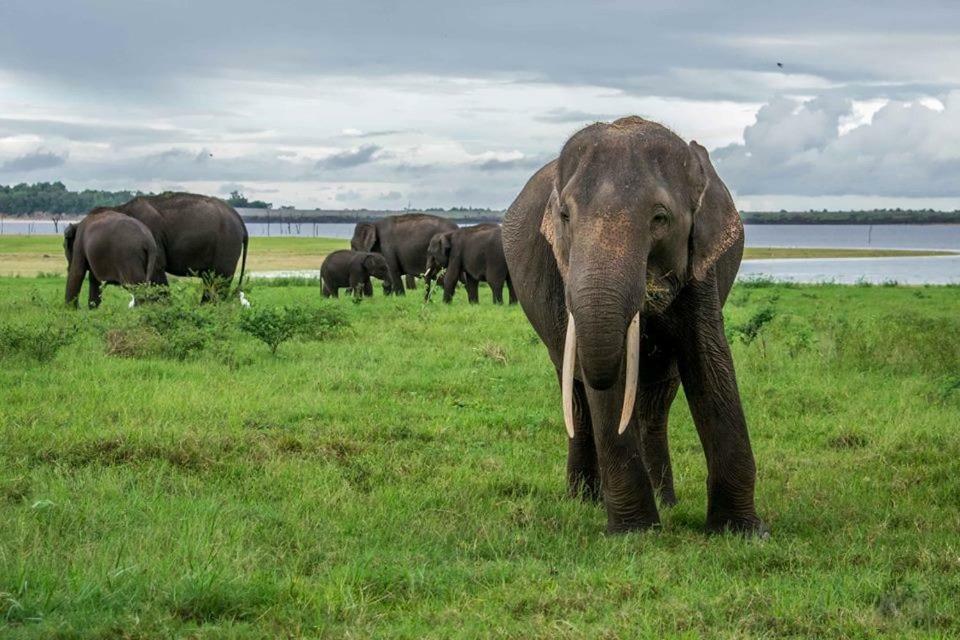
(69, 235)
(365, 237)
(438, 252)
(376, 266)
(635, 213)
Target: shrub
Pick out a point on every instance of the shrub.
(40, 342)
(275, 325)
(133, 342)
(750, 330)
(174, 325)
(271, 325)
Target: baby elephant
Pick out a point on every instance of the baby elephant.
(113, 247)
(352, 269)
(473, 255)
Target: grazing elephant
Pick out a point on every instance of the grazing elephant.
(473, 254)
(196, 235)
(622, 252)
(402, 240)
(113, 248)
(352, 269)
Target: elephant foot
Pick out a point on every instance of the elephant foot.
(629, 526)
(667, 497)
(748, 526)
(585, 490)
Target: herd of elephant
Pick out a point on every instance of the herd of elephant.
(183, 234)
(407, 246)
(621, 252)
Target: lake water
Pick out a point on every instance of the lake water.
(906, 270)
(912, 270)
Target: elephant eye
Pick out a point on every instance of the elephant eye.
(564, 213)
(661, 219)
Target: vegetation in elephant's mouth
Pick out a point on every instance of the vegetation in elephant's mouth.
(399, 471)
(660, 292)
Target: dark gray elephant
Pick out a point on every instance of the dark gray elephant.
(472, 254)
(352, 269)
(403, 241)
(196, 235)
(113, 248)
(623, 251)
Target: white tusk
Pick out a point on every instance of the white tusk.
(633, 371)
(566, 375)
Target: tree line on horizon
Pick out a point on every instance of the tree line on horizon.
(54, 198)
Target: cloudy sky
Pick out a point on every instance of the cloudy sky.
(331, 104)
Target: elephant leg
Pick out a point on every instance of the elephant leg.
(513, 296)
(367, 288)
(709, 381)
(75, 276)
(96, 296)
(497, 288)
(325, 289)
(627, 492)
(396, 279)
(652, 410)
(411, 282)
(472, 293)
(583, 473)
(159, 278)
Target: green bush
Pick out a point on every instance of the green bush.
(175, 325)
(750, 330)
(271, 325)
(40, 342)
(275, 325)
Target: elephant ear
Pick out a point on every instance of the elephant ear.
(364, 237)
(370, 261)
(552, 228)
(69, 235)
(445, 244)
(716, 222)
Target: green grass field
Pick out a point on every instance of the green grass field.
(163, 475)
(33, 255)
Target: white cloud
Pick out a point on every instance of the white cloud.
(907, 149)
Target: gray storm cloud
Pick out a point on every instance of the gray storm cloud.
(34, 161)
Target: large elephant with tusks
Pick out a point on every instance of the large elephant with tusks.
(622, 252)
(403, 240)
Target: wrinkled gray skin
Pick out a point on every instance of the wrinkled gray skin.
(196, 235)
(403, 241)
(113, 248)
(631, 218)
(352, 269)
(472, 254)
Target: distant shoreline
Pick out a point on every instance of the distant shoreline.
(293, 217)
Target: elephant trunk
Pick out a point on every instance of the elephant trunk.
(603, 329)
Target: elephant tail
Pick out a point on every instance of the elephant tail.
(151, 264)
(243, 260)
